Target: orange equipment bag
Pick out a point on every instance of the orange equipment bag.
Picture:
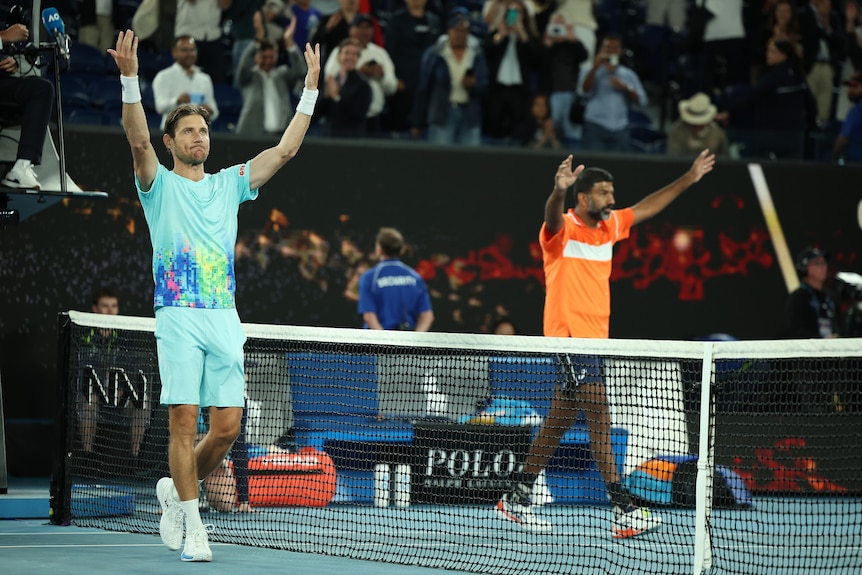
(305, 478)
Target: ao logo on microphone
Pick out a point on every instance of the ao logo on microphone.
(53, 17)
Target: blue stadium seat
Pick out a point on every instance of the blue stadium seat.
(92, 117)
(105, 90)
(148, 99)
(638, 117)
(229, 100)
(73, 83)
(86, 59)
(647, 140)
(75, 100)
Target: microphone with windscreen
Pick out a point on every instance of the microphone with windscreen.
(57, 30)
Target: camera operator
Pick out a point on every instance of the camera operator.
(29, 97)
(812, 311)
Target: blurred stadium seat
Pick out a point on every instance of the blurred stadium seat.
(92, 117)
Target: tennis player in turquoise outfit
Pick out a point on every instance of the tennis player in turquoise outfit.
(192, 218)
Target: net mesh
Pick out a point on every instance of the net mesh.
(397, 447)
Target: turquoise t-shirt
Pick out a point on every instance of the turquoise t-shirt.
(193, 227)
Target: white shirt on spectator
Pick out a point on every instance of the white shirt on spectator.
(200, 19)
(727, 21)
(172, 82)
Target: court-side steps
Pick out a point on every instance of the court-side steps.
(26, 498)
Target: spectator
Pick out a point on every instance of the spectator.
(275, 15)
(98, 23)
(725, 59)
(494, 12)
(183, 82)
(33, 98)
(452, 80)
(335, 27)
(666, 13)
(848, 144)
(266, 103)
(409, 33)
(853, 35)
(563, 58)
(512, 52)
(504, 326)
(582, 15)
(696, 129)
(781, 103)
(307, 19)
(823, 42)
(781, 23)
(106, 362)
(609, 88)
(374, 64)
(347, 94)
(537, 130)
(241, 14)
(201, 19)
(391, 294)
(154, 23)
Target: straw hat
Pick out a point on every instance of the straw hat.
(697, 110)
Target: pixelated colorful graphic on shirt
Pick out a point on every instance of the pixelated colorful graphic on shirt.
(194, 277)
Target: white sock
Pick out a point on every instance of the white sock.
(193, 514)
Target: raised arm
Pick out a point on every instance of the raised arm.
(268, 162)
(146, 162)
(657, 201)
(564, 179)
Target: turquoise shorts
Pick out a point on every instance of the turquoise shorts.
(200, 356)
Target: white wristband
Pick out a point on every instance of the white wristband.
(307, 101)
(131, 89)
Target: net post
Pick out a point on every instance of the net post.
(60, 511)
(703, 501)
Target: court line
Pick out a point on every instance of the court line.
(773, 224)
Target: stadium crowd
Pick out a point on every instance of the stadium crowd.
(760, 78)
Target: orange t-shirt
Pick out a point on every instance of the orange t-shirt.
(577, 262)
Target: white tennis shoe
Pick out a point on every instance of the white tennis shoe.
(517, 507)
(171, 524)
(633, 522)
(197, 545)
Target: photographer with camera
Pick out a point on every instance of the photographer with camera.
(609, 88)
(29, 97)
(391, 294)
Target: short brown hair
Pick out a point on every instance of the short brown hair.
(391, 242)
(182, 111)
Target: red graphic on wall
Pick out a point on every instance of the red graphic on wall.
(677, 254)
(784, 468)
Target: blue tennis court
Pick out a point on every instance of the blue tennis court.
(778, 536)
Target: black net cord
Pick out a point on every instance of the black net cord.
(60, 512)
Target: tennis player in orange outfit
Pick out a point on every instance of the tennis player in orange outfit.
(577, 248)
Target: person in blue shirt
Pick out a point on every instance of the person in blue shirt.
(848, 144)
(609, 89)
(192, 219)
(391, 294)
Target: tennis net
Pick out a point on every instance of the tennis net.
(396, 447)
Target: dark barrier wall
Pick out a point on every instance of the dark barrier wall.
(471, 217)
